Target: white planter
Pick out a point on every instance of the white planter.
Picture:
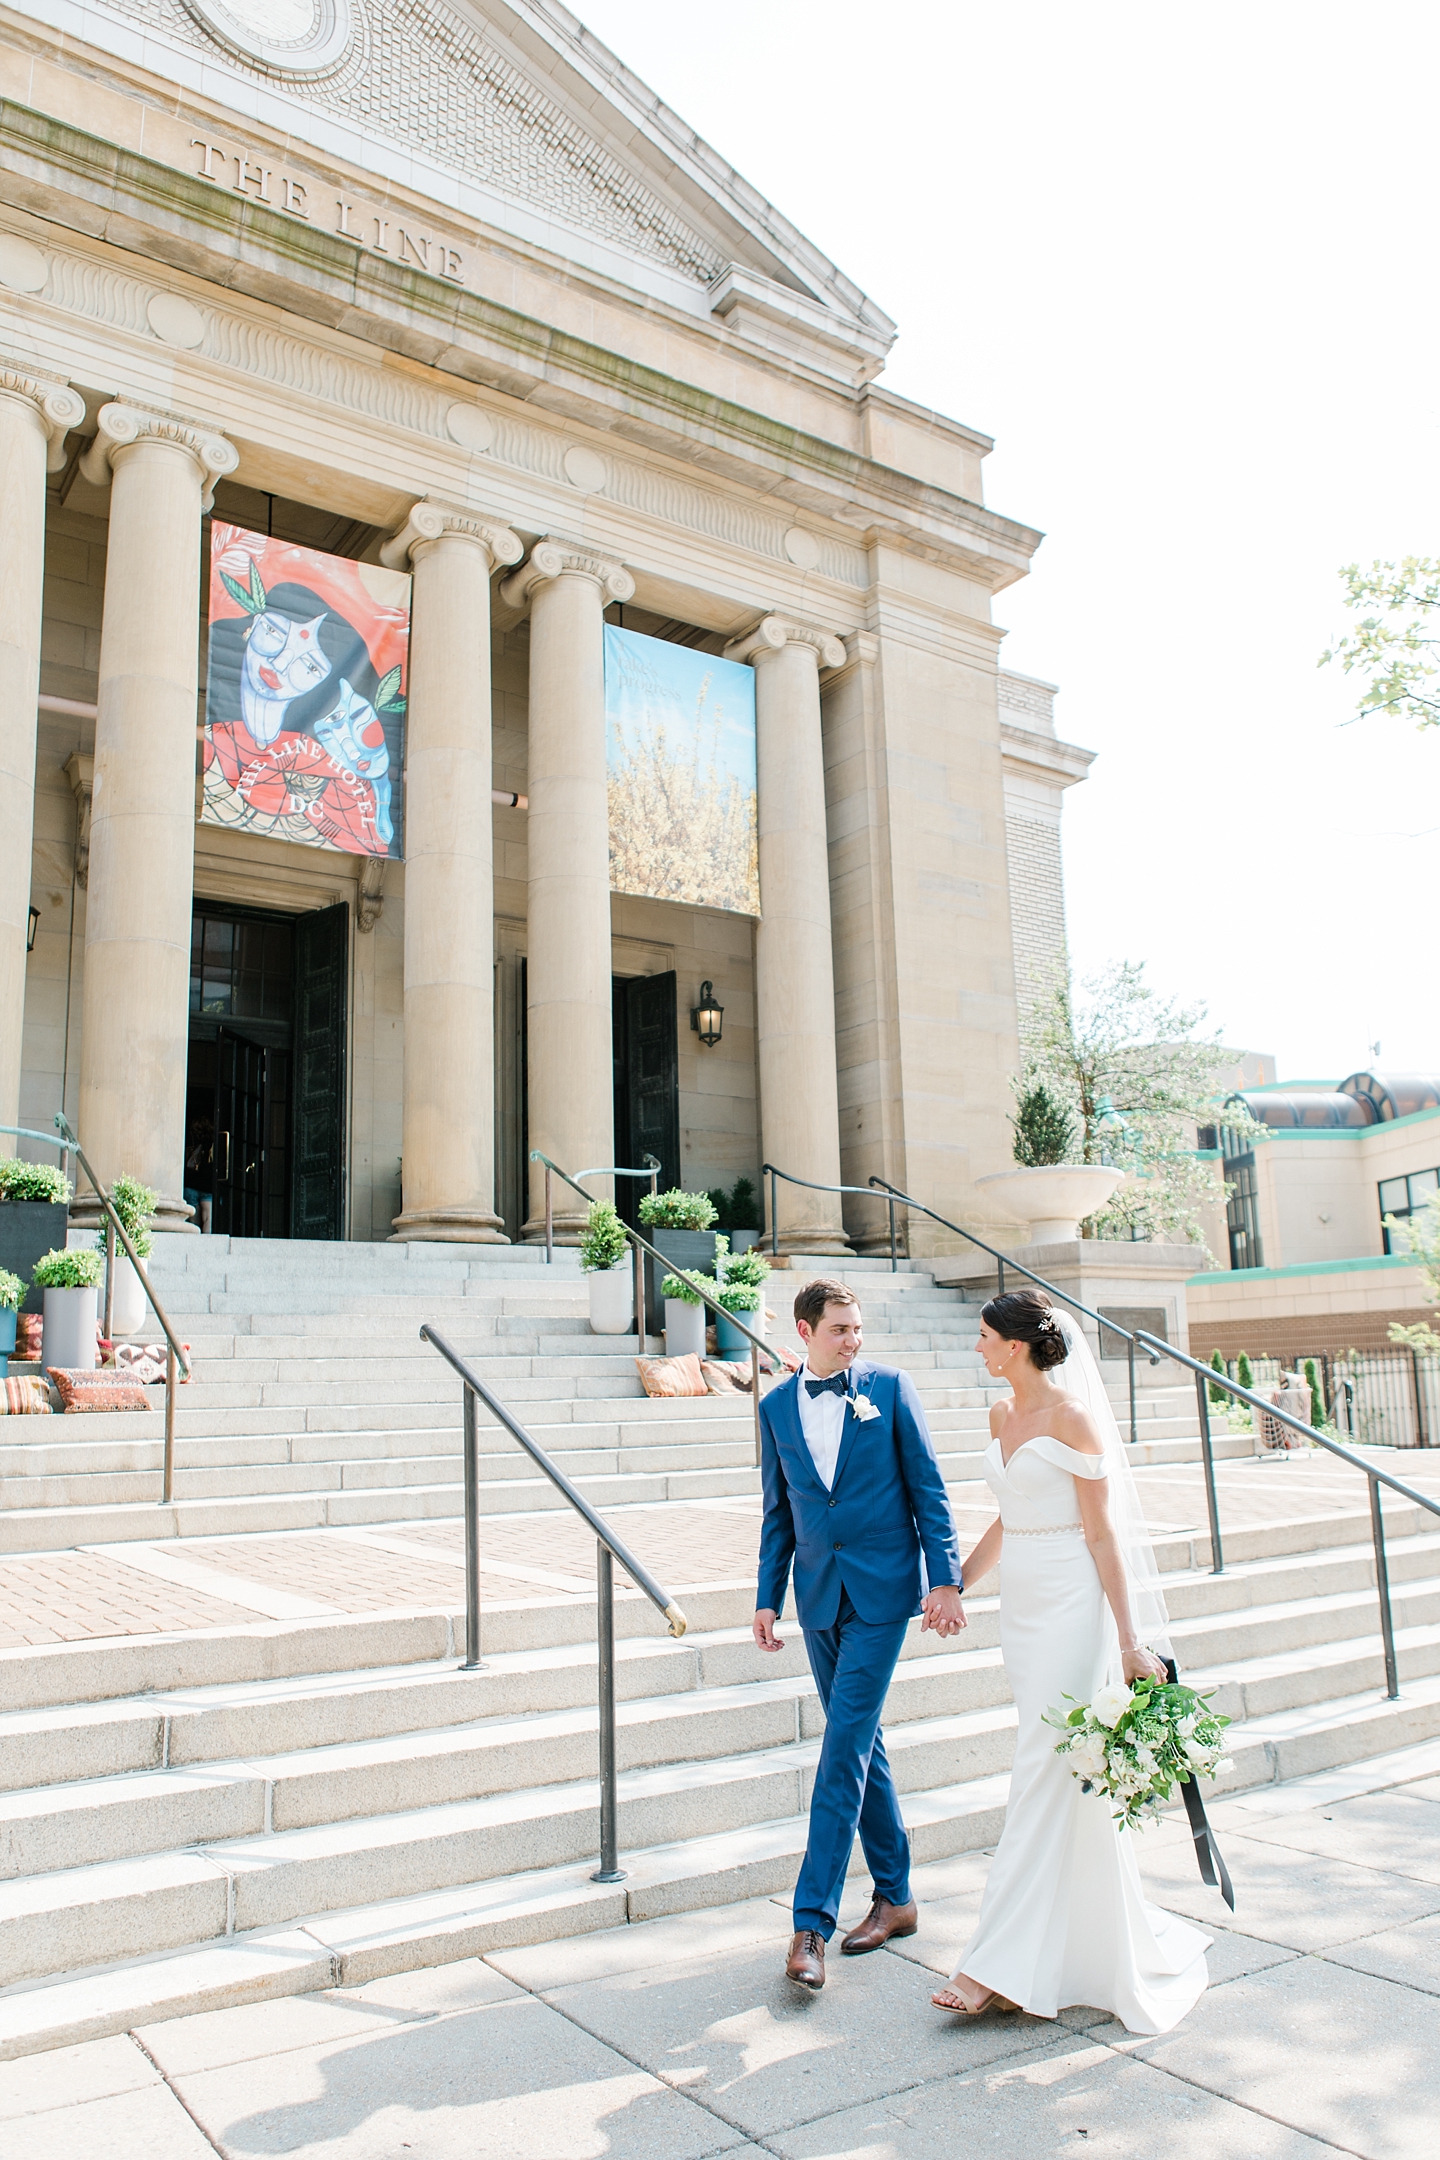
(612, 1298)
(130, 1304)
(684, 1328)
(1053, 1200)
(68, 1333)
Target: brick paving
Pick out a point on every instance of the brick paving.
(75, 1596)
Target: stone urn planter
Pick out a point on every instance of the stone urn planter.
(1052, 1201)
(612, 1298)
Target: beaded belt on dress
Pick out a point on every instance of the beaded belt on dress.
(1061, 1529)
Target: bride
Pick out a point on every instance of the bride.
(1064, 1919)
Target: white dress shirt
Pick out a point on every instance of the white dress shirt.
(822, 1420)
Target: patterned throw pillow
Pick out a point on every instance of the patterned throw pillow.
(672, 1375)
(97, 1390)
(24, 1398)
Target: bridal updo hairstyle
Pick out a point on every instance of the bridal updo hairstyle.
(1026, 1316)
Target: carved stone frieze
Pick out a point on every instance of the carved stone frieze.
(57, 407)
(778, 631)
(120, 427)
(431, 520)
(553, 558)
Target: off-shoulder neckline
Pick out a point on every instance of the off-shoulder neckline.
(1006, 1460)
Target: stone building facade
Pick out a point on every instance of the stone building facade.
(439, 285)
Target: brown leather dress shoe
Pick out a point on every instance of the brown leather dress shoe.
(881, 1922)
(806, 1962)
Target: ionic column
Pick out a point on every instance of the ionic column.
(794, 967)
(142, 822)
(449, 1114)
(571, 1099)
(36, 414)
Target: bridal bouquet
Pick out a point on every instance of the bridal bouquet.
(1136, 1742)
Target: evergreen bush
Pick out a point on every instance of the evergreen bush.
(76, 1267)
(1244, 1371)
(604, 1242)
(134, 1204)
(1044, 1129)
(677, 1210)
(1219, 1396)
(32, 1181)
(744, 1215)
(1317, 1392)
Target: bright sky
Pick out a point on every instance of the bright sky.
(1179, 262)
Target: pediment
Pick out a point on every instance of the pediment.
(511, 110)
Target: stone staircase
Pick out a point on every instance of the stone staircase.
(314, 1401)
(188, 1821)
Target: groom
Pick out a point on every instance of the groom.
(854, 1496)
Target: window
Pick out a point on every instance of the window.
(1400, 1196)
(1242, 1213)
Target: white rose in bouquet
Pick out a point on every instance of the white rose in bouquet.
(1110, 1703)
(1087, 1756)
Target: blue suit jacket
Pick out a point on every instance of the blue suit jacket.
(867, 1533)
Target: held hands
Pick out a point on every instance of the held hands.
(943, 1610)
(1138, 1663)
(763, 1628)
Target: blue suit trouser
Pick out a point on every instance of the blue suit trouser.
(852, 1663)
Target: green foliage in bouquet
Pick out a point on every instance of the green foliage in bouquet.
(1136, 1743)
(677, 1210)
(134, 1204)
(76, 1267)
(603, 1245)
(12, 1289)
(32, 1181)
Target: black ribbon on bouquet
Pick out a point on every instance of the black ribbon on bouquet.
(1207, 1853)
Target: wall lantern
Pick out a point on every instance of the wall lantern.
(708, 1017)
(34, 926)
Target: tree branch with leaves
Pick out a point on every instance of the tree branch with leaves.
(1137, 1075)
(1395, 648)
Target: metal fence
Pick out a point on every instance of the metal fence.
(1381, 1398)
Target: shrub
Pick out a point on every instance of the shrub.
(720, 1200)
(750, 1269)
(12, 1289)
(32, 1181)
(1317, 1393)
(135, 1204)
(744, 1214)
(739, 1297)
(677, 1210)
(1244, 1371)
(603, 1245)
(1044, 1129)
(1219, 1396)
(77, 1267)
(688, 1287)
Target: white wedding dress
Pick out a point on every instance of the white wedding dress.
(1064, 1919)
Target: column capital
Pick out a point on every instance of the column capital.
(56, 406)
(120, 427)
(775, 632)
(553, 557)
(432, 519)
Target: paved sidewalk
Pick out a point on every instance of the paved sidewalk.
(178, 1585)
(676, 2039)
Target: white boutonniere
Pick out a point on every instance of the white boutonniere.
(864, 1409)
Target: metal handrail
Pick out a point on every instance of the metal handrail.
(1206, 1377)
(552, 1170)
(758, 1346)
(894, 1196)
(173, 1351)
(608, 1549)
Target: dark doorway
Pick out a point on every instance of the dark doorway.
(265, 1124)
(647, 1083)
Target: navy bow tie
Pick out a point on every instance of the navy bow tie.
(835, 1385)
